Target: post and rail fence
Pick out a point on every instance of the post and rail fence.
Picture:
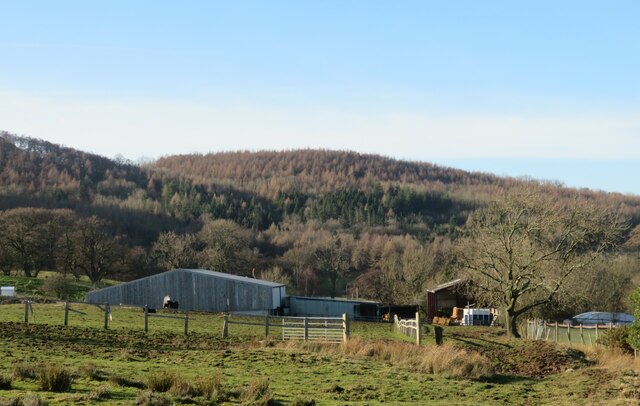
(328, 329)
(409, 327)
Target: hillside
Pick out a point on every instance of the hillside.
(394, 223)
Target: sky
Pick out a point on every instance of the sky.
(543, 89)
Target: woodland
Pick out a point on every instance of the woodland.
(325, 223)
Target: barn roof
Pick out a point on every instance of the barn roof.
(232, 277)
(446, 285)
(213, 274)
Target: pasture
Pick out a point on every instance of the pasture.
(377, 366)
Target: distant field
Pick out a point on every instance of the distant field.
(527, 372)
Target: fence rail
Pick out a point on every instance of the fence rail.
(328, 329)
(409, 327)
(566, 333)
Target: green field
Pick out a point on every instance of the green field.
(387, 371)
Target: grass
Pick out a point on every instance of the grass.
(377, 366)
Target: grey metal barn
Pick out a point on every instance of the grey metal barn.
(196, 289)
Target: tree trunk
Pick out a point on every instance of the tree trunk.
(334, 280)
(511, 322)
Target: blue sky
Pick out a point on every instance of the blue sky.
(542, 88)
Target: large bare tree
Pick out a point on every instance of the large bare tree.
(520, 251)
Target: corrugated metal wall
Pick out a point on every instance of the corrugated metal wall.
(301, 306)
(194, 291)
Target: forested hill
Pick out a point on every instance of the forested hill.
(317, 171)
(393, 223)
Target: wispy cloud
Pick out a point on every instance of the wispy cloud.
(154, 128)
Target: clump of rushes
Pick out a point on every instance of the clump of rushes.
(24, 370)
(55, 378)
(210, 386)
(257, 393)
(182, 387)
(161, 381)
(90, 370)
(5, 382)
(151, 398)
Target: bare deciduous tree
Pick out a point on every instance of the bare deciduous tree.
(174, 251)
(520, 251)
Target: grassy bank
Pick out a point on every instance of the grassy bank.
(377, 366)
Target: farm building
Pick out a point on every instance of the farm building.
(443, 298)
(333, 307)
(196, 289)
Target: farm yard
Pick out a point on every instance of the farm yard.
(476, 365)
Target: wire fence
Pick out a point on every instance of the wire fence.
(565, 333)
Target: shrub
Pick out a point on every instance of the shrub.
(616, 338)
(5, 382)
(161, 381)
(257, 393)
(55, 378)
(24, 370)
(151, 398)
(59, 286)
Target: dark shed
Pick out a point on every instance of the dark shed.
(196, 289)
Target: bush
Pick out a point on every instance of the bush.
(162, 381)
(59, 286)
(616, 338)
(257, 393)
(151, 398)
(5, 382)
(55, 378)
(24, 370)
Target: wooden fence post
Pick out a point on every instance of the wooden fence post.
(596, 332)
(418, 341)
(569, 332)
(146, 318)
(225, 326)
(266, 326)
(66, 313)
(556, 332)
(581, 334)
(107, 312)
(186, 323)
(345, 327)
(26, 311)
(306, 329)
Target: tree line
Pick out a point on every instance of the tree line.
(322, 222)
